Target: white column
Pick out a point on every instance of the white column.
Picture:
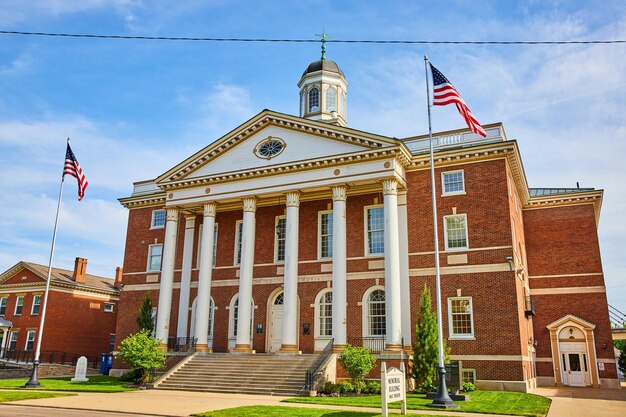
(339, 267)
(290, 307)
(245, 276)
(4, 339)
(167, 277)
(405, 288)
(392, 267)
(204, 278)
(185, 277)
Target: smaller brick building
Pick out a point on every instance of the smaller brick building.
(80, 315)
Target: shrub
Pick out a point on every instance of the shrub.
(361, 387)
(373, 387)
(131, 376)
(141, 351)
(357, 362)
(345, 387)
(330, 388)
(468, 387)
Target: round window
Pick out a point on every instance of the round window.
(269, 148)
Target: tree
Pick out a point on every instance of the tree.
(621, 361)
(144, 318)
(141, 351)
(426, 349)
(357, 361)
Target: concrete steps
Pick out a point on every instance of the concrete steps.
(241, 374)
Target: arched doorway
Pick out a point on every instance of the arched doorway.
(275, 322)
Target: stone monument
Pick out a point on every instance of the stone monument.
(81, 370)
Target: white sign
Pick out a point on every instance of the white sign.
(81, 370)
(392, 387)
(601, 366)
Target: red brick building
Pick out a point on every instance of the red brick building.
(80, 315)
(323, 232)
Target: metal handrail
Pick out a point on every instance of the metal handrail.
(47, 356)
(173, 359)
(374, 344)
(617, 318)
(317, 366)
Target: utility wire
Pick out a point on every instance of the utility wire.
(374, 41)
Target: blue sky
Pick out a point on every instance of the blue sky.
(135, 108)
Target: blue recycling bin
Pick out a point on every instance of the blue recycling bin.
(106, 363)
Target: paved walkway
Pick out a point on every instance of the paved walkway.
(570, 402)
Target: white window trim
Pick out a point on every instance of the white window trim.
(215, 234)
(152, 226)
(6, 303)
(366, 246)
(17, 304)
(28, 333)
(16, 333)
(111, 310)
(443, 186)
(237, 246)
(319, 234)
(450, 329)
(364, 310)
(276, 261)
(194, 310)
(445, 233)
(32, 307)
(472, 370)
(149, 256)
(317, 314)
(231, 318)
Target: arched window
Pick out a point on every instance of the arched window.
(234, 316)
(331, 99)
(280, 299)
(324, 313)
(314, 99)
(301, 103)
(194, 307)
(344, 104)
(374, 314)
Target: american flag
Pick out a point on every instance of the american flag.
(73, 168)
(444, 93)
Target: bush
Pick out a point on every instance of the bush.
(345, 387)
(468, 387)
(357, 362)
(373, 387)
(141, 351)
(330, 388)
(131, 376)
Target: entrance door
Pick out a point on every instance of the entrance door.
(575, 369)
(276, 323)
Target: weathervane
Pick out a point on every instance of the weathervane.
(323, 36)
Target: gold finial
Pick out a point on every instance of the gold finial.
(323, 36)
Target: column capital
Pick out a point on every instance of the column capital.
(172, 214)
(292, 199)
(210, 209)
(190, 221)
(390, 187)
(340, 192)
(249, 204)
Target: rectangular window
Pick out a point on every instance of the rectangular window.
(455, 231)
(453, 182)
(214, 244)
(3, 305)
(460, 318)
(111, 342)
(155, 252)
(30, 339)
(469, 375)
(238, 241)
(13, 340)
(279, 240)
(375, 230)
(19, 305)
(158, 219)
(108, 307)
(325, 238)
(36, 305)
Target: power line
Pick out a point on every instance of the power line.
(268, 40)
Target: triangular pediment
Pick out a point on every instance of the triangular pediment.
(570, 318)
(21, 273)
(301, 140)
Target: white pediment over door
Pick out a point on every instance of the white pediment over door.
(299, 146)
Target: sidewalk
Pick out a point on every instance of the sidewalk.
(585, 402)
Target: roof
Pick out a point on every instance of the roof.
(63, 277)
(5, 323)
(324, 65)
(540, 192)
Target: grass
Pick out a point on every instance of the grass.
(6, 396)
(489, 402)
(97, 383)
(274, 411)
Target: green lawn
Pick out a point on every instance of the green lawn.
(6, 396)
(267, 411)
(489, 402)
(97, 383)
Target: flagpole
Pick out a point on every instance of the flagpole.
(442, 399)
(33, 382)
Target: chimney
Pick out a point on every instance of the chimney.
(118, 277)
(80, 270)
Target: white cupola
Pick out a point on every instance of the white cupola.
(324, 92)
